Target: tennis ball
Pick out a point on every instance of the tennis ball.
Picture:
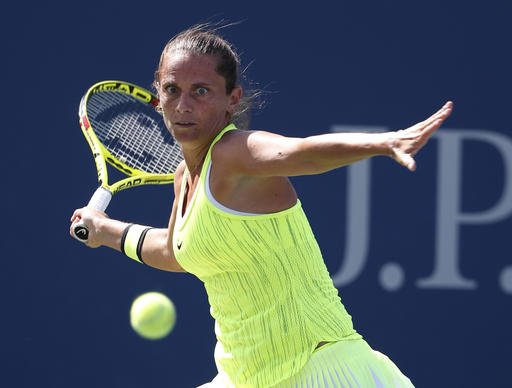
(152, 315)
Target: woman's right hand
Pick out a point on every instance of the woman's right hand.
(93, 219)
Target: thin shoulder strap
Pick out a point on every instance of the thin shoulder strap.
(208, 157)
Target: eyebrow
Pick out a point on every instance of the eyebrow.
(197, 84)
(194, 85)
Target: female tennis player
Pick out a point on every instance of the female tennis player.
(237, 224)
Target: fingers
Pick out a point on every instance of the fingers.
(441, 114)
(413, 139)
(444, 112)
(430, 125)
(72, 227)
(77, 214)
(447, 107)
(76, 217)
(448, 104)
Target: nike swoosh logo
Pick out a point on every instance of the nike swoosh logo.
(179, 244)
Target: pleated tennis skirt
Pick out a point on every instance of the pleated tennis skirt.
(343, 364)
(350, 363)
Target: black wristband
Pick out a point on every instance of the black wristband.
(141, 241)
(123, 237)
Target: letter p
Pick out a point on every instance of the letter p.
(449, 214)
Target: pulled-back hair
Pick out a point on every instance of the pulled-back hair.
(204, 39)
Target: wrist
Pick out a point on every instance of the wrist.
(109, 231)
(387, 144)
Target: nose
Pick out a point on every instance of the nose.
(184, 103)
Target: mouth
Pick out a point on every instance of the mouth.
(184, 123)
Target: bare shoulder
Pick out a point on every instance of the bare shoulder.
(252, 153)
(249, 135)
(229, 146)
(241, 144)
(245, 178)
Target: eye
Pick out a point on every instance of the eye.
(171, 89)
(201, 91)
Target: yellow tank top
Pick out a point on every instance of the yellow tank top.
(269, 290)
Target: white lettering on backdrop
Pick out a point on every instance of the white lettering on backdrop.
(449, 215)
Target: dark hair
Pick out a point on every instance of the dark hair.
(204, 39)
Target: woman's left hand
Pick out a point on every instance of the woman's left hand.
(406, 143)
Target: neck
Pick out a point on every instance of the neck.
(194, 162)
(194, 154)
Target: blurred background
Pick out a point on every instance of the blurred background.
(422, 260)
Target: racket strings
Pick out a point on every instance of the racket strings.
(133, 132)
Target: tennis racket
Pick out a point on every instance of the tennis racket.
(124, 129)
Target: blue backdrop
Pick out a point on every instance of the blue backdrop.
(422, 260)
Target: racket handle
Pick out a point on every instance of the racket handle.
(99, 201)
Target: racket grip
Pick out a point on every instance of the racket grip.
(99, 201)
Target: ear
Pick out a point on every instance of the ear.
(234, 98)
(158, 107)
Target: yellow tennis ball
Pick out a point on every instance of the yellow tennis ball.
(152, 315)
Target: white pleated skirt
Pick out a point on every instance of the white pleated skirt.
(343, 364)
(350, 363)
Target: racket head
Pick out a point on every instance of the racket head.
(123, 128)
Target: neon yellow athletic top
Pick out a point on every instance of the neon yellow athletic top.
(270, 292)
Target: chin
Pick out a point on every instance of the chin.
(184, 134)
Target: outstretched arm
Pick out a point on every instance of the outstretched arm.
(267, 154)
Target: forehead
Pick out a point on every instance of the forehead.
(179, 65)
